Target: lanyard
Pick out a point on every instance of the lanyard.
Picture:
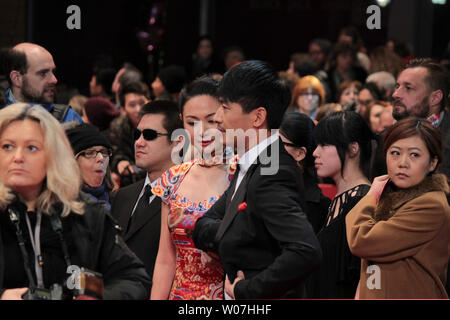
(36, 244)
(14, 216)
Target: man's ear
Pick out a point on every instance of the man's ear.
(260, 117)
(436, 97)
(16, 78)
(181, 117)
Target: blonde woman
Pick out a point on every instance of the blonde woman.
(39, 189)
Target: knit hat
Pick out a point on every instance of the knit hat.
(100, 112)
(173, 78)
(84, 136)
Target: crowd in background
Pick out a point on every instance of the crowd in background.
(357, 101)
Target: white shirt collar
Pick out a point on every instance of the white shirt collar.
(251, 155)
(146, 182)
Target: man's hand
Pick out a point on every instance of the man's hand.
(229, 287)
(210, 260)
(13, 294)
(122, 165)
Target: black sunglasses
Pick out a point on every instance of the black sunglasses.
(149, 134)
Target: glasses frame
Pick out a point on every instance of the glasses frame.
(83, 153)
(148, 134)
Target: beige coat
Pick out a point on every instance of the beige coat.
(407, 248)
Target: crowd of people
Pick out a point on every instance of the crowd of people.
(328, 180)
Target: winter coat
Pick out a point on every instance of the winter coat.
(94, 243)
(403, 241)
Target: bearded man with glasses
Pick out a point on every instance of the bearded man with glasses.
(137, 210)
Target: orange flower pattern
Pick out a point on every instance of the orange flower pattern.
(193, 279)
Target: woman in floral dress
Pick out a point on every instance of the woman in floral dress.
(187, 191)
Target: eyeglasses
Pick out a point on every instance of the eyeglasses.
(91, 154)
(149, 134)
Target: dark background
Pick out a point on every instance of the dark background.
(270, 30)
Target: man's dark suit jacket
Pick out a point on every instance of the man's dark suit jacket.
(143, 236)
(270, 240)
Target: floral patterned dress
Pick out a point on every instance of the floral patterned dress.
(193, 280)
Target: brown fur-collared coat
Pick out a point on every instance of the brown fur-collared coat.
(403, 241)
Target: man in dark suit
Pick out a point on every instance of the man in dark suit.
(136, 209)
(265, 242)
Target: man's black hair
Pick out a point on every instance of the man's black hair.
(254, 84)
(131, 87)
(169, 110)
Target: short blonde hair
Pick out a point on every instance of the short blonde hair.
(63, 179)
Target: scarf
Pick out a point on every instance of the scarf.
(98, 193)
(393, 198)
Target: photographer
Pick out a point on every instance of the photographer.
(47, 227)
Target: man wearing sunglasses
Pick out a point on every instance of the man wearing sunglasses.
(136, 209)
(132, 97)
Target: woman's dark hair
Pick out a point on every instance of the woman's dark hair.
(342, 128)
(374, 90)
(411, 127)
(341, 48)
(204, 85)
(298, 128)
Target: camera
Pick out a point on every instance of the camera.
(54, 293)
(82, 282)
(88, 283)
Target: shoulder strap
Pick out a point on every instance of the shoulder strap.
(59, 111)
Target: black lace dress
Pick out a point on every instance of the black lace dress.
(338, 274)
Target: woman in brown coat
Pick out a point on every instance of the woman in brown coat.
(400, 229)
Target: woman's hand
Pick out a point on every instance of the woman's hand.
(378, 185)
(13, 294)
(210, 259)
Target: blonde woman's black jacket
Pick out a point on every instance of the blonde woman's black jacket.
(94, 243)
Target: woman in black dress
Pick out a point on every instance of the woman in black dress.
(342, 154)
(296, 135)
